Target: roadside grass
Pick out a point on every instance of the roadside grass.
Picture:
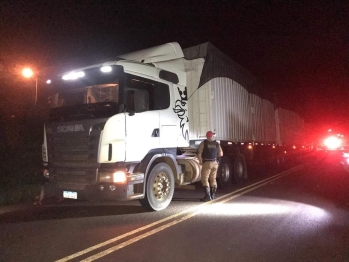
(20, 177)
(20, 154)
(20, 193)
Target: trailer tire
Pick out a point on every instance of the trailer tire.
(159, 188)
(239, 169)
(224, 173)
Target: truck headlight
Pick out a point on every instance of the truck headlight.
(116, 177)
(119, 177)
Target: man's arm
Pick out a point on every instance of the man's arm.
(220, 151)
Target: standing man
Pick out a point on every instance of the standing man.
(209, 151)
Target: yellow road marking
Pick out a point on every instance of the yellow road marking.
(193, 212)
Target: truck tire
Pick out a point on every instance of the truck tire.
(224, 173)
(159, 188)
(239, 169)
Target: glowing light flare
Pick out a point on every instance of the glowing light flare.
(119, 177)
(73, 75)
(332, 142)
(27, 72)
(346, 156)
(106, 69)
(46, 173)
(249, 147)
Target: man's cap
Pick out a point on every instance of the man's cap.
(210, 134)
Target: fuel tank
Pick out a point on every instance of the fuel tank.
(191, 169)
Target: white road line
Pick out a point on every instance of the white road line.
(193, 211)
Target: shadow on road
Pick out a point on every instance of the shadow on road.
(186, 199)
(66, 211)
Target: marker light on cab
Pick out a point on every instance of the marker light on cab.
(73, 75)
(106, 69)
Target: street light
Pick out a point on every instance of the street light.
(28, 73)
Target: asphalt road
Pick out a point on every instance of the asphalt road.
(296, 213)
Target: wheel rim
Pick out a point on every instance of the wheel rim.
(225, 175)
(161, 186)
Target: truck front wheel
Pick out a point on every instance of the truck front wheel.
(159, 188)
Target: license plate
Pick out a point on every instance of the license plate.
(70, 194)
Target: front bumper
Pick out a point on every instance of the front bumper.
(107, 191)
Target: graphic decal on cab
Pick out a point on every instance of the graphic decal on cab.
(182, 112)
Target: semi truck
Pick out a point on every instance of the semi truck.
(129, 129)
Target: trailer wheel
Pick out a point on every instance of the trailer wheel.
(224, 175)
(239, 169)
(159, 188)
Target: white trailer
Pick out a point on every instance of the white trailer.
(129, 129)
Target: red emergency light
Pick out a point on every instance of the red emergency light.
(332, 142)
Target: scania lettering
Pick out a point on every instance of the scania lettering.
(129, 128)
(71, 128)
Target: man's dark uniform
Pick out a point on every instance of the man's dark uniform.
(209, 151)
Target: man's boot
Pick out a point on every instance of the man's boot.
(213, 192)
(207, 196)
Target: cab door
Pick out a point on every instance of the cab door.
(142, 119)
(142, 134)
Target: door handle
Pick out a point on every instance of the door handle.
(156, 133)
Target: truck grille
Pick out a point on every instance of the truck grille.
(73, 157)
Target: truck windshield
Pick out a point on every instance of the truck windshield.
(95, 101)
(87, 95)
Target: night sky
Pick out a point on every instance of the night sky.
(300, 49)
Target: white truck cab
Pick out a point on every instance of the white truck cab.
(113, 123)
